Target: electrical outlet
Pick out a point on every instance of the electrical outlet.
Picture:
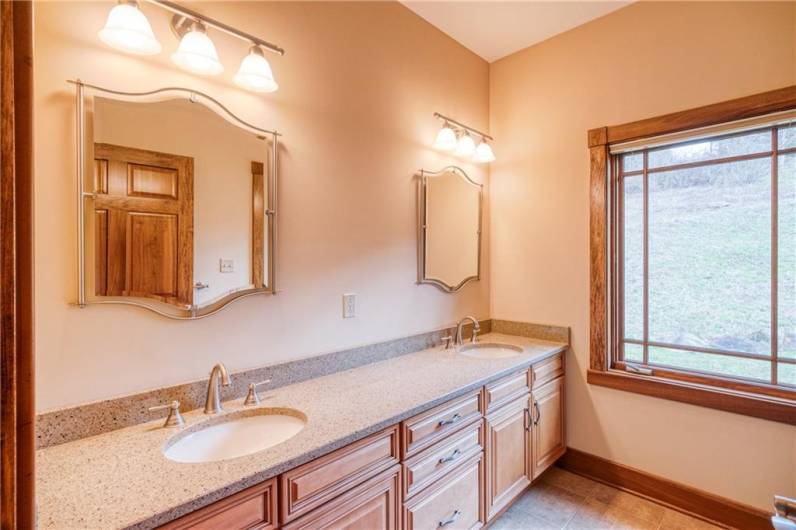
(349, 305)
(226, 265)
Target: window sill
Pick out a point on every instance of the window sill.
(747, 404)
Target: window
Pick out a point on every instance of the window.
(706, 268)
(693, 256)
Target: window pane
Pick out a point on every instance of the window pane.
(711, 363)
(710, 256)
(709, 149)
(634, 257)
(786, 374)
(787, 137)
(632, 162)
(786, 295)
(634, 353)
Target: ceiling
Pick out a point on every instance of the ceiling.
(499, 28)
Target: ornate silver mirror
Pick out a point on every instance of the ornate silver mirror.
(449, 228)
(176, 202)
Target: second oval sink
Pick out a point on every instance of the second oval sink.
(239, 435)
(489, 350)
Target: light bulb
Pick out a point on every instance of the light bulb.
(466, 145)
(127, 29)
(197, 53)
(483, 153)
(255, 72)
(446, 139)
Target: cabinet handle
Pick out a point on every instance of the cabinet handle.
(528, 419)
(538, 413)
(451, 457)
(456, 417)
(450, 520)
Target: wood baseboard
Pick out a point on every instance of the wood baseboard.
(695, 502)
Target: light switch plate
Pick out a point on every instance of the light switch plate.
(349, 305)
(226, 265)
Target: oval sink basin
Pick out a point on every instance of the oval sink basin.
(236, 436)
(489, 350)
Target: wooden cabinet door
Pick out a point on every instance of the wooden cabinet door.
(548, 431)
(374, 505)
(508, 454)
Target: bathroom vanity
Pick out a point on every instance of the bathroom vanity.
(433, 439)
(457, 465)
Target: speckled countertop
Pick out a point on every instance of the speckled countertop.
(122, 480)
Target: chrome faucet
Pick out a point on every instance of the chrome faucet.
(459, 339)
(213, 401)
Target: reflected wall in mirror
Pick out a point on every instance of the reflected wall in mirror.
(178, 202)
(449, 207)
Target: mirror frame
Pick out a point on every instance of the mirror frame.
(422, 210)
(165, 94)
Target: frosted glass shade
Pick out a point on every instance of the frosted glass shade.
(466, 145)
(255, 73)
(127, 29)
(446, 139)
(483, 153)
(197, 53)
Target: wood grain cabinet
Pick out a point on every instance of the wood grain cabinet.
(428, 428)
(373, 505)
(251, 509)
(508, 453)
(453, 467)
(548, 429)
(454, 503)
(311, 485)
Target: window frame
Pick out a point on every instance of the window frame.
(768, 401)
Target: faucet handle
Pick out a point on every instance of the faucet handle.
(447, 340)
(252, 398)
(174, 418)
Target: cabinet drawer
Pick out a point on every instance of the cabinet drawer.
(439, 459)
(506, 389)
(252, 508)
(431, 426)
(547, 370)
(373, 505)
(454, 503)
(321, 480)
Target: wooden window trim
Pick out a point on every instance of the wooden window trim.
(761, 401)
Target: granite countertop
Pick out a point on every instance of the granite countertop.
(122, 480)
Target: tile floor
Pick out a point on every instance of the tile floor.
(565, 500)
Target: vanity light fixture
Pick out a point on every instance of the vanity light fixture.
(255, 73)
(446, 138)
(127, 29)
(466, 146)
(483, 153)
(197, 52)
(458, 137)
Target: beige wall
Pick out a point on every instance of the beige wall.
(642, 61)
(358, 87)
